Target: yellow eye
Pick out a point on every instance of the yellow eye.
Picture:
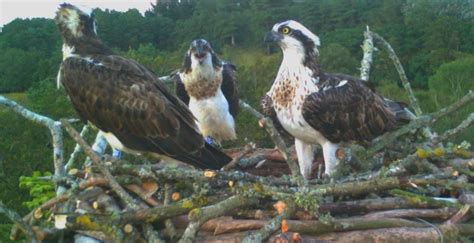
(285, 30)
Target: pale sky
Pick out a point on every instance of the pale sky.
(11, 9)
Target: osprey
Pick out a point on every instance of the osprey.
(322, 108)
(125, 100)
(209, 88)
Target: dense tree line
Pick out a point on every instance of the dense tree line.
(433, 38)
(425, 33)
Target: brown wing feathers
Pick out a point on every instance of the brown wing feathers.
(122, 97)
(350, 112)
(229, 88)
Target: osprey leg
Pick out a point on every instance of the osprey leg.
(330, 160)
(305, 153)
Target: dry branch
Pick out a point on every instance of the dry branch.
(200, 216)
(422, 121)
(269, 227)
(98, 162)
(442, 213)
(130, 202)
(465, 124)
(77, 149)
(15, 218)
(56, 133)
(406, 84)
(275, 136)
(368, 49)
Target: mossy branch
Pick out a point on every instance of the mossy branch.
(277, 139)
(199, 216)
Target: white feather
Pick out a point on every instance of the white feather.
(116, 144)
(68, 51)
(72, 22)
(213, 117)
(342, 83)
(58, 77)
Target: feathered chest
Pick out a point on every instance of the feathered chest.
(289, 91)
(202, 83)
(291, 87)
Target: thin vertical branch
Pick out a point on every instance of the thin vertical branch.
(401, 72)
(368, 49)
(150, 233)
(77, 149)
(56, 133)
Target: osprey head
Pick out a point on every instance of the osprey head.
(200, 54)
(75, 23)
(200, 51)
(293, 36)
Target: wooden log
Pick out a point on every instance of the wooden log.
(441, 213)
(201, 215)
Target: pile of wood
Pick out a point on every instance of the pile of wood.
(424, 195)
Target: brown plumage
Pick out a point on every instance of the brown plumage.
(122, 97)
(348, 113)
(269, 111)
(229, 88)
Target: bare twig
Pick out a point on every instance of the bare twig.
(14, 217)
(452, 132)
(275, 136)
(171, 230)
(270, 227)
(153, 235)
(77, 149)
(425, 120)
(406, 84)
(56, 133)
(235, 161)
(456, 218)
(368, 49)
(98, 162)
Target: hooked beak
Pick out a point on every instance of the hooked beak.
(200, 54)
(272, 36)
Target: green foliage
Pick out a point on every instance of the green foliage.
(41, 190)
(5, 232)
(450, 82)
(45, 98)
(338, 59)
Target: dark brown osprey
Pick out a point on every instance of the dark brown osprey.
(322, 108)
(209, 87)
(125, 100)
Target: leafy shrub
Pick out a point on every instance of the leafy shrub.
(451, 82)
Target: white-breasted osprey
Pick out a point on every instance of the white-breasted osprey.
(126, 100)
(322, 108)
(209, 87)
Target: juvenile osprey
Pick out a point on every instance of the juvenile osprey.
(126, 100)
(209, 88)
(322, 108)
